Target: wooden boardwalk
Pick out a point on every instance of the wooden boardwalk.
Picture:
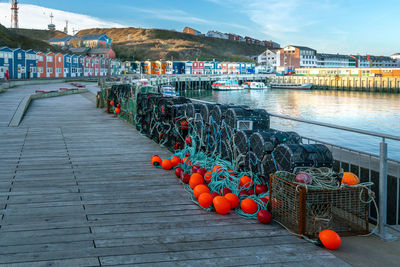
(77, 189)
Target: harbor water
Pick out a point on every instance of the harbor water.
(378, 112)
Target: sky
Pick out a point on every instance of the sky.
(329, 26)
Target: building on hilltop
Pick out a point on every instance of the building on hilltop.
(96, 41)
(217, 34)
(270, 44)
(68, 41)
(189, 30)
(293, 56)
(335, 61)
(102, 52)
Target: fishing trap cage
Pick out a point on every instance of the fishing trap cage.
(307, 211)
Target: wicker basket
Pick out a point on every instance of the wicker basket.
(308, 211)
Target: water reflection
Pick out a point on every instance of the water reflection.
(364, 110)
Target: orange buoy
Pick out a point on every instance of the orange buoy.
(195, 179)
(350, 178)
(166, 164)
(205, 200)
(117, 110)
(217, 168)
(111, 103)
(200, 189)
(187, 161)
(329, 239)
(233, 199)
(249, 206)
(175, 161)
(207, 177)
(245, 181)
(156, 160)
(221, 205)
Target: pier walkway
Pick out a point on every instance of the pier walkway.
(77, 189)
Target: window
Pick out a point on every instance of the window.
(49, 59)
(19, 56)
(59, 59)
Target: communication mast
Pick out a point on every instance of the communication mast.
(51, 26)
(66, 27)
(14, 14)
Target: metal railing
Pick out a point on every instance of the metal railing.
(383, 166)
(382, 158)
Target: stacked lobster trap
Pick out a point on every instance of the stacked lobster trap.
(242, 136)
(235, 133)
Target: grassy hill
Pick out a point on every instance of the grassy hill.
(42, 35)
(154, 44)
(12, 39)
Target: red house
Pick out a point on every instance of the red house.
(96, 66)
(41, 65)
(50, 66)
(198, 67)
(59, 65)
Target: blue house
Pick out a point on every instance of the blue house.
(188, 67)
(67, 66)
(6, 62)
(178, 67)
(74, 65)
(31, 64)
(19, 64)
(216, 66)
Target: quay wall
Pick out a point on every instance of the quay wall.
(367, 84)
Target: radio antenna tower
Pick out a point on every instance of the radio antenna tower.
(14, 14)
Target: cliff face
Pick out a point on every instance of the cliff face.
(154, 44)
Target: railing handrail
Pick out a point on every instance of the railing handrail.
(324, 124)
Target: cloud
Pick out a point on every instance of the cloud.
(37, 17)
(180, 16)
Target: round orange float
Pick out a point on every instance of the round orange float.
(117, 110)
(233, 199)
(350, 178)
(329, 239)
(205, 200)
(207, 177)
(249, 206)
(221, 205)
(245, 181)
(166, 164)
(156, 160)
(175, 161)
(195, 179)
(200, 189)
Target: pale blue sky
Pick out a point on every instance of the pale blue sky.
(332, 26)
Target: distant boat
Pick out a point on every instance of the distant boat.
(226, 85)
(304, 86)
(168, 89)
(254, 86)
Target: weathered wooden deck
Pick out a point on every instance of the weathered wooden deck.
(77, 189)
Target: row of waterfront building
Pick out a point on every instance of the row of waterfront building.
(292, 57)
(28, 64)
(188, 67)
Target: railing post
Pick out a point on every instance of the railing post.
(383, 167)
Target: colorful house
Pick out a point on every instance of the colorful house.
(116, 67)
(208, 67)
(178, 67)
(216, 66)
(160, 67)
(198, 67)
(80, 70)
(96, 41)
(149, 67)
(19, 64)
(50, 65)
(103, 68)
(67, 65)
(96, 66)
(59, 65)
(188, 67)
(41, 65)
(102, 52)
(31, 64)
(6, 62)
(87, 66)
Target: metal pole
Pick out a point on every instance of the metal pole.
(383, 167)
